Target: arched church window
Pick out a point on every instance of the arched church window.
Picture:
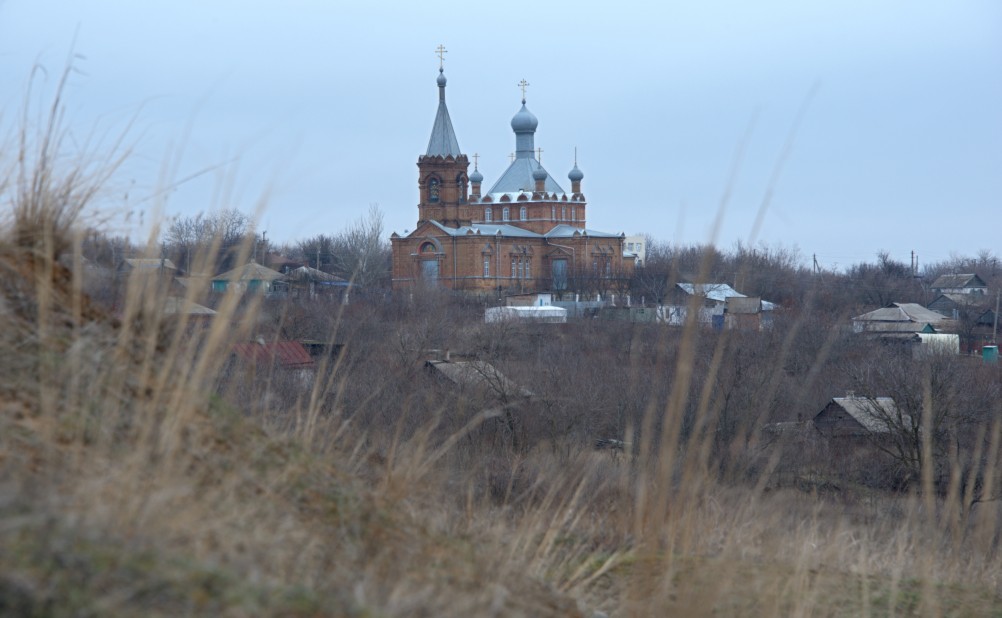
(488, 214)
(487, 266)
(553, 213)
(523, 214)
(506, 214)
(461, 188)
(563, 213)
(433, 187)
(574, 214)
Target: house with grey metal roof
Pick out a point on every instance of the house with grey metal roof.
(712, 301)
(901, 318)
(855, 416)
(526, 233)
(968, 283)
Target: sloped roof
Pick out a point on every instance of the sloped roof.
(518, 177)
(958, 299)
(566, 231)
(443, 142)
(306, 273)
(288, 354)
(875, 414)
(713, 291)
(719, 292)
(967, 280)
(252, 271)
(178, 305)
(477, 373)
(149, 263)
(901, 312)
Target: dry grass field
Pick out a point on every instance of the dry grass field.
(140, 475)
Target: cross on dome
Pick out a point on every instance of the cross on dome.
(441, 51)
(523, 85)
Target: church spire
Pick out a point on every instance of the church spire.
(443, 142)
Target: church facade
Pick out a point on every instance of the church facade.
(524, 234)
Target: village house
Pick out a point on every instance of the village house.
(712, 300)
(968, 283)
(854, 416)
(901, 318)
(251, 277)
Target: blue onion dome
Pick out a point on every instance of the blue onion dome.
(524, 121)
(575, 174)
(539, 174)
(441, 79)
(476, 176)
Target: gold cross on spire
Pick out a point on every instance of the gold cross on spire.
(476, 157)
(440, 51)
(523, 85)
(539, 155)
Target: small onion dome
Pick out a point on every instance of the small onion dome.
(476, 176)
(441, 79)
(539, 174)
(575, 174)
(524, 121)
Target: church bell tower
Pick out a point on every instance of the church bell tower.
(442, 171)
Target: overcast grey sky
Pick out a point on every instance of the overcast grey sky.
(323, 107)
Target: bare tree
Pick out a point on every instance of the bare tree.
(361, 253)
(216, 237)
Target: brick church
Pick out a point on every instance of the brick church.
(524, 234)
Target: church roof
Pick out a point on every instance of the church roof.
(513, 231)
(443, 142)
(566, 231)
(487, 229)
(518, 177)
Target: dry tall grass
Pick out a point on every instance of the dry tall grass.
(132, 484)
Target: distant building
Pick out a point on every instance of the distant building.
(636, 246)
(854, 416)
(524, 234)
(954, 305)
(968, 283)
(901, 318)
(251, 277)
(712, 303)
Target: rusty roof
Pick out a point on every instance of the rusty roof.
(287, 354)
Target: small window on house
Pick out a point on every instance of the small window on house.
(488, 215)
(506, 214)
(523, 214)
